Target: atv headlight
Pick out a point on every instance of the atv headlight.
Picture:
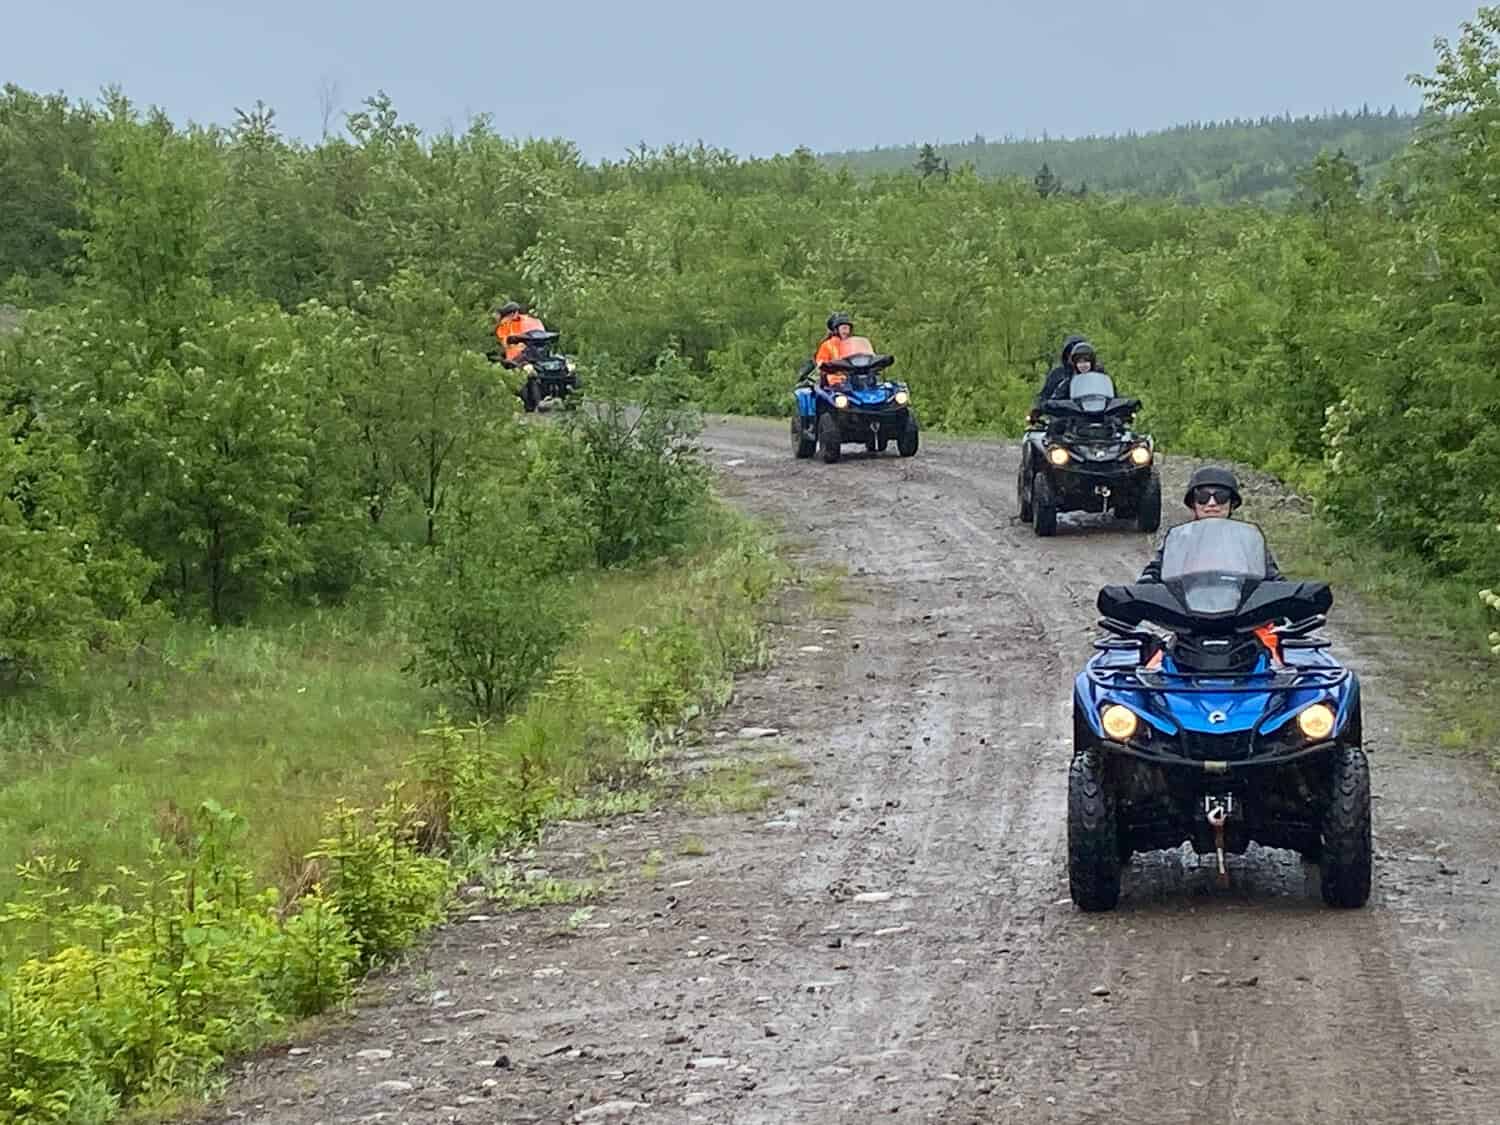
(1316, 722)
(902, 398)
(841, 401)
(528, 369)
(1119, 722)
(1140, 455)
(1058, 455)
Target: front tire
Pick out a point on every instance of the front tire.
(528, 397)
(829, 438)
(1023, 501)
(1043, 506)
(804, 445)
(906, 441)
(1148, 507)
(1347, 853)
(1093, 844)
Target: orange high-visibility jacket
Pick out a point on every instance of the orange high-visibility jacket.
(514, 325)
(835, 347)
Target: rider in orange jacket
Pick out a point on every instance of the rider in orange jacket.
(840, 343)
(512, 319)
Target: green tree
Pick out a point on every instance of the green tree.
(493, 605)
(1046, 181)
(1329, 188)
(149, 219)
(47, 148)
(433, 401)
(66, 587)
(928, 162)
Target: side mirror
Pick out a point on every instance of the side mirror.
(807, 368)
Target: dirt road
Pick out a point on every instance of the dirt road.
(892, 935)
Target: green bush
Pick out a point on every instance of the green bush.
(379, 880)
(140, 991)
(644, 488)
(492, 603)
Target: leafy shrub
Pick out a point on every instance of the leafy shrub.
(493, 606)
(379, 880)
(482, 789)
(644, 488)
(140, 993)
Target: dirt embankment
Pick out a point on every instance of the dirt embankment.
(892, 936)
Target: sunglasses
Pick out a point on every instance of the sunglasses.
(1206, 495)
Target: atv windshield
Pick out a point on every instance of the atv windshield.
(855, 345)
(1091, 384)
(1212, 562)
(1093, 391)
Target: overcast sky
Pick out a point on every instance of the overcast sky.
(753, 77)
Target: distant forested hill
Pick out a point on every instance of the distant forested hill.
(1217, 162)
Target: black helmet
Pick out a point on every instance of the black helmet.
(1081, 349)
(1214, 475)
(836, 319)
(510, 308)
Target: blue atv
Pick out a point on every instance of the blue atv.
(850, 402)
(1236, 727)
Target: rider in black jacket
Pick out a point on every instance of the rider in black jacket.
(1075, 350)
(1212, 493)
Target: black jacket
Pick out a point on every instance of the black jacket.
(1055, 385)
(1152, 572)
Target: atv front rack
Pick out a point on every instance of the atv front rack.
(1222, 683)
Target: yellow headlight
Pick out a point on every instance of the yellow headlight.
(902, 398)
(841, 401)
(1141, 455)
(527, 369)
(1316, 722)
(1119, 722)
(1058, 455)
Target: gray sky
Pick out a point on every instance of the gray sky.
(756, 78)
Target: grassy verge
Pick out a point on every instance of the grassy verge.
(142, 949)
(1438, 627)
(272, 721)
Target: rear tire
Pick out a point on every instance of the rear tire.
(1148, 506)
(906, 441)
(803, 446)
(870, 445)
(881, 443)
(1093, 843)
(829, 438)
(1043, 506)
(1347, 847)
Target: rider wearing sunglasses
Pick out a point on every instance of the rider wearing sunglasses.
(1212, 493)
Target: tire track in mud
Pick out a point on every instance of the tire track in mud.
(893, 935)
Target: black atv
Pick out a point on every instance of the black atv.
(1084, 457)
(547, 375)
